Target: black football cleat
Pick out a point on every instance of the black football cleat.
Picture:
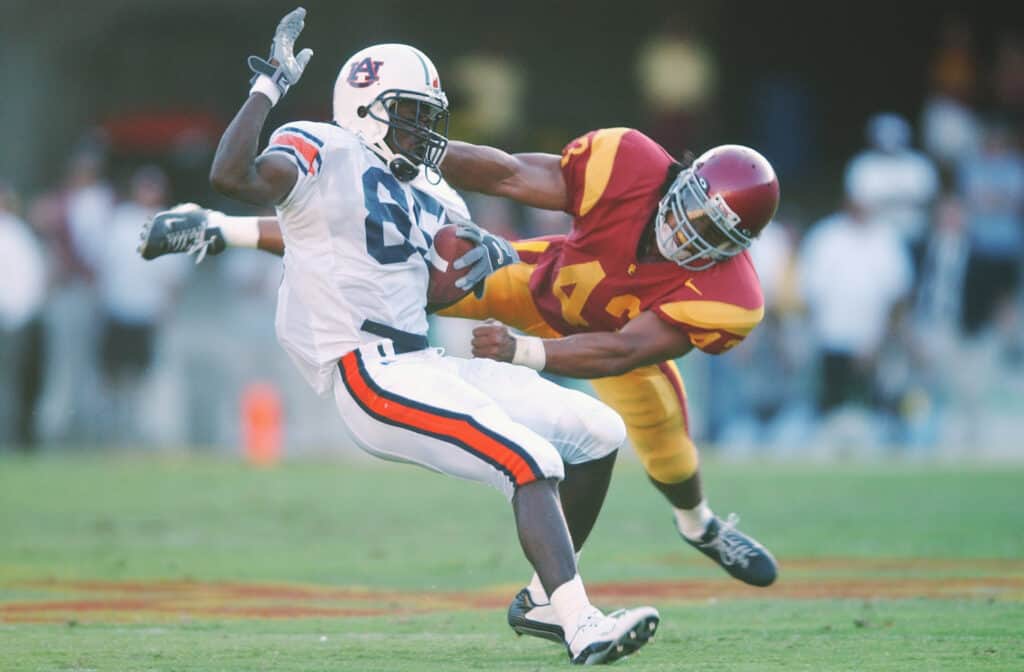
(183, 229)
(738, 554)
(527, 617)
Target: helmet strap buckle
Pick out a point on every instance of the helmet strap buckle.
(402, 168)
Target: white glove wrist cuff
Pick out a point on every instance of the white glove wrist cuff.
(266, 86)
(236, 231)
(530, 352)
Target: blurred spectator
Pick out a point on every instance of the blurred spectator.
(854, 273)
(992, 185)
(949, 126)
(939, 294)
(73, 219)
(90, 199)
(22, 344)
(934, 333)
(891, 183)
(756, 392)
(678, 80)
(135, 295)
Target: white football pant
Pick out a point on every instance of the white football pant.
(478, 419)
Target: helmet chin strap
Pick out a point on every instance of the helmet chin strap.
(399, 166)
(404, 169)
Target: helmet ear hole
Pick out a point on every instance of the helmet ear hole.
(362, 111)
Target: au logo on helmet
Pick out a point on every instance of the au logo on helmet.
(364, 73)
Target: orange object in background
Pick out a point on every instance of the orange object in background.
(261, 424)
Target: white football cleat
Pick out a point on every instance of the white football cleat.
(601, 639)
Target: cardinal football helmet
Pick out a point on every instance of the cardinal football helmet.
(715, 208)
(394, 89)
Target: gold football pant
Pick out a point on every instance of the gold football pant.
(650, 399)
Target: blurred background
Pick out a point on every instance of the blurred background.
(892, 274)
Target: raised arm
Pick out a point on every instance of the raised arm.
(236, 172)
(531, 179)
(644, 340)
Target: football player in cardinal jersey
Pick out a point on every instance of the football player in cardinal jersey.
(655, 266)
(351, 313)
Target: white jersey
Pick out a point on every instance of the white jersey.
(356, 241)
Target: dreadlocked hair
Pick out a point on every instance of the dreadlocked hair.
(677, 167)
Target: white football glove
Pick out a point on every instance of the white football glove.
(275, 75)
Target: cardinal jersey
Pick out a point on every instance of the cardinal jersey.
(592, 279)
(355, 243)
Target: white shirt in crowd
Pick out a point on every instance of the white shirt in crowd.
(772, 256)
(24, 268)
(131, 289)
(852, 275)
(89, 210)
(895, 187)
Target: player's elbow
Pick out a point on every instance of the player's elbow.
(224, 183)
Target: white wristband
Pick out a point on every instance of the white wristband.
(530, 352)
(266, 86)
(236, 231)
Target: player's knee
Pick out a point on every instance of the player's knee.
(591, 432)
(670, 461)
(607, 431)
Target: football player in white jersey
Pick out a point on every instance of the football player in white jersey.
(358, 201)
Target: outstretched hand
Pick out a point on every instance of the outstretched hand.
(284, 67)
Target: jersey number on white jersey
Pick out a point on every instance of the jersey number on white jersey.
(379, 213)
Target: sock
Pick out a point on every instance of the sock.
(537, 592)
(236, 231)
(569, 601)
(693, 522)
(536, 588)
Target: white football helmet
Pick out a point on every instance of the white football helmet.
(394, 89)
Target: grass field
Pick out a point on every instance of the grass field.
(132, 563)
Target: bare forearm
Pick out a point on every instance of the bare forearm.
(270, 239)
(233, 172)
(589, 355)
(477, 167)
(532, 179)
(643, 341)
(601, 354)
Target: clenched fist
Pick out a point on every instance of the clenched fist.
(494, 341)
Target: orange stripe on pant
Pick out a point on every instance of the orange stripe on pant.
(456, 428)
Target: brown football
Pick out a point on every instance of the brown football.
(447, 248)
